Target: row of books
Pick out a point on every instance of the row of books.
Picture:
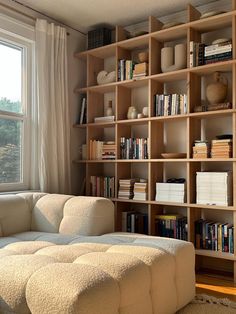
(100, 150)
(214, 236)
(218, 149)
(170, 104)
(83, 110)
(170, 192)
(172, 226)
(125, 69)
(214, 188)
(102, 186)
(201, 54)
(133, 148)
(134, 222)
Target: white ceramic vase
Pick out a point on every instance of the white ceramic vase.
(173, 58)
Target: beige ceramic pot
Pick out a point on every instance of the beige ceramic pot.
(217, 92)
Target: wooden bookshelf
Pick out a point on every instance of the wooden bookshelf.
(191, 123)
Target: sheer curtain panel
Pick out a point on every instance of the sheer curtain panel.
(53, 108)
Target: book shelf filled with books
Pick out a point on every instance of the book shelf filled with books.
(156, 143)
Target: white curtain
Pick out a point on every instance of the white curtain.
(53, 108)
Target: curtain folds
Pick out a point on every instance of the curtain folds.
(53, 108)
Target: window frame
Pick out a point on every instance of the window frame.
(28, 105)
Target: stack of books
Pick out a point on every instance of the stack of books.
(205, 54)
(109, 150)
(140, 190)
(214, 188)
(104, 119)
(133, 148)
(126, 188)
(140, 70)
(201, 149)
(125, 69)
(218, 52)
(170, 192)
(214, 236)
(172, 226)
(102, 186)
(171, 104)
(221, 148)
(100, 150)
(134, 222)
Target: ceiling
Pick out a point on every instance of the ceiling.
(84, 14)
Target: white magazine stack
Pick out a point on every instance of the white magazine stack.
(170, 192)
(214, 188)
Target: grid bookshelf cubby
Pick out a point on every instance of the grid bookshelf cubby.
(175, 133)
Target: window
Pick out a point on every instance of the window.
(15, 112)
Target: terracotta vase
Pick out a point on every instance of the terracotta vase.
(217, 92)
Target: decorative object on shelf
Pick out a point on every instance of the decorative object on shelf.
(104, 77)
(173, 155)
(173, 58)
(140, 116)
(220, 41)
(109, 111)
(99, 37)
(211, 13)
(221, 106)
(217, 92)
(143, 56)
(129, 113)
(200, 108)
(224, 137)
(134, 113)
(145, 111)
(171, 24)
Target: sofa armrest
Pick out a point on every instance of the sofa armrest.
(89, 216)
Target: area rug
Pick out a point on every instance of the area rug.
(205, 304)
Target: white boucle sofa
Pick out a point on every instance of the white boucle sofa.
(59, 255)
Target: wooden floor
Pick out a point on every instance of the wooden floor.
(217, 286)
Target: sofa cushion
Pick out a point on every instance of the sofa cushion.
(87, 216)
(132, 276)
(15, 215)
(48, 212)
(27, 247)
(15, 272)
(72, 288)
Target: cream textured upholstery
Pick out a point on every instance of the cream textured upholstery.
(54, 260)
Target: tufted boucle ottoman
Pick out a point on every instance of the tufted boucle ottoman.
(45, 271)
